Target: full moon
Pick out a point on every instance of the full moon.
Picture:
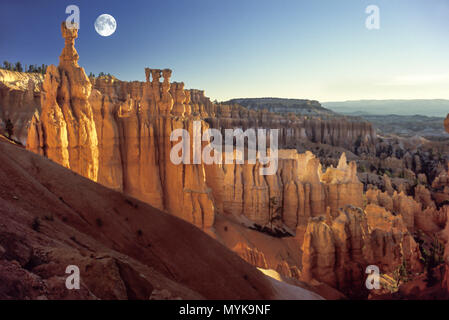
(105, 25)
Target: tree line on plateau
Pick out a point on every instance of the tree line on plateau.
(32, 68)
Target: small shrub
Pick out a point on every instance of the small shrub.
(49, 217)
(36, 225)
(132, 204)
(444, 203)
(99, 222)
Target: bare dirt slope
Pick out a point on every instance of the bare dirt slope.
(51, 217)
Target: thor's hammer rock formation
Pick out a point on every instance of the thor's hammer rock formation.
(66, 131)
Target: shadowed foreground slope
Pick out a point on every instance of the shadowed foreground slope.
(51, 217)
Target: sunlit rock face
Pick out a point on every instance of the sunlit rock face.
(19, 101)
(118, 134)
(134, 122)
(300, 186)
(66, 131)
(336, 251)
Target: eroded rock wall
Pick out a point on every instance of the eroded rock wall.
(118, 134)
(19, 100)
(300, 188)
(66, 130)
(337, 251)
(336, 131)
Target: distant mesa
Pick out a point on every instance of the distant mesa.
(284, 106)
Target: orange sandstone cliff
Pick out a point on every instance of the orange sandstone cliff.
(66, 130)
(19, 100)
(121, 143)
(118, 134)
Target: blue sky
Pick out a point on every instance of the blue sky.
(314, 49)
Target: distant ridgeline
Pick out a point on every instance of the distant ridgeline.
(426, 107)
(283, 106)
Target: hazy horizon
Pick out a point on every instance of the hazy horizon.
(408, 107)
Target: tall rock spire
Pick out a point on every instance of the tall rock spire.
(69, 56)
(66, 132)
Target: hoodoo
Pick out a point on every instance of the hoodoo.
(66, 132)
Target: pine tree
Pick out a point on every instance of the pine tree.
(274, 210)
(18, 67)
(7, 65)
(9, 128)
